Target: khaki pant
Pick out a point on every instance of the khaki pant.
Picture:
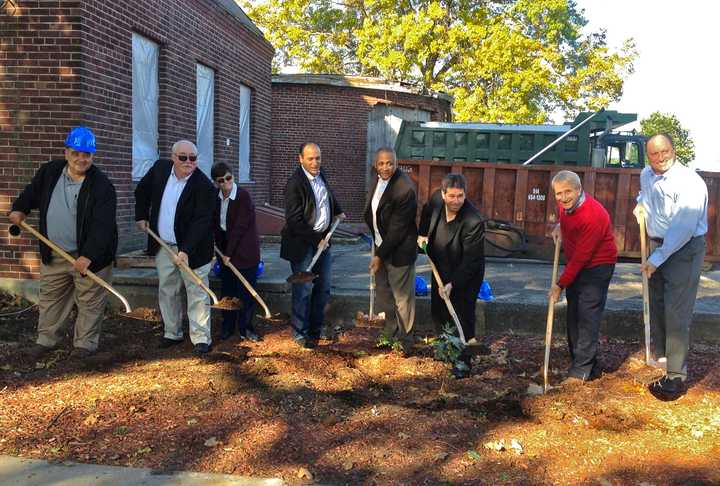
(171, 280)
(61, 287)
(395, 291)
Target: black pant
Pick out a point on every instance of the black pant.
(242, 319)
(673, 288)
(463, 300)
(586, 298)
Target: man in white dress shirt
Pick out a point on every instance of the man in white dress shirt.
(673, 199)
(177, 201)
(390, 214)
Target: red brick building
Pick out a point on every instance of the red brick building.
(141, 75)
(349, 117)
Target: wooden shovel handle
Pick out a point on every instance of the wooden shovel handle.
(70, 259)
(247, 285)
(645, 285)
(450, 307)
(326, 240)
(550, 316)
(183, 266)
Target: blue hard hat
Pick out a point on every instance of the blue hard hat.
(260, 269)
(81, 139)
(216, 268)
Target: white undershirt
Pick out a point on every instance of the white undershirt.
(171, 195)
(379, 190)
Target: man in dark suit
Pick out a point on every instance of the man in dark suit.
(310, 207)
(236, 235)
(177, 202)
(390, 215)
(454, 232)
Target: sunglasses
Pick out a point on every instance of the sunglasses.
(184, 158)
(227, 178)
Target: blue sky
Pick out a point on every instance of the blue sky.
(678, 67)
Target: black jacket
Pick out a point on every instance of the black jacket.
(298, 234)
(193, 215)
(466, 248)
(396, 215)
(97, 234)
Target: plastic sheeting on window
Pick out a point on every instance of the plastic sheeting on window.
(244, 145)
(204, 117)
(145, 92)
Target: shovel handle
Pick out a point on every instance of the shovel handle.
(92, 276)
(372, 281)
(325, 242)
(645, 285)
(550, 316)
(183, 266)
(450, 307)
(247, 285)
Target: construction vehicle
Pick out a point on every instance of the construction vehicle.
(591, 139)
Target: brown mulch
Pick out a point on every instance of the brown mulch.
(349, 413)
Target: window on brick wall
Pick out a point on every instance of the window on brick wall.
(244, 145)
(205, 117)
(145, 93)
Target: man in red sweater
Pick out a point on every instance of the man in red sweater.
(591, 254)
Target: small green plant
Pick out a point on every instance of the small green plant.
(397, 346)
(448, 347)
(383, 341)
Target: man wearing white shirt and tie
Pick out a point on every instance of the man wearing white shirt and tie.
(310, 207)
(673, 199)
(390, 214)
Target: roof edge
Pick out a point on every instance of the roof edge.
(347, 81)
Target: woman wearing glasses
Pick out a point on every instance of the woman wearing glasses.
(236, 236)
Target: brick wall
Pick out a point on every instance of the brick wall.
(336, 118)
(71, 63)
(40, 100)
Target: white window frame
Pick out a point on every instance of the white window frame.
(245, 115)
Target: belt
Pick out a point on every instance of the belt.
(659, 241)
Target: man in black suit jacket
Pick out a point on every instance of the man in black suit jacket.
(177, 202)
(454, 232)
(310, 207)
(390, 215)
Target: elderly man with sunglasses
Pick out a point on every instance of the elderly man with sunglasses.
(176, 201)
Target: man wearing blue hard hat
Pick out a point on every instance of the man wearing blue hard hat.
(76, 202)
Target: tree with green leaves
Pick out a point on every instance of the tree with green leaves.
(514, 61)
(668, 123)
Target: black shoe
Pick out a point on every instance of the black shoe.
(37, 351)
(310, 344)
(667, 389)
(251, 335)
(81, 353)
(225, 335)
(167, 343)
(201, 348)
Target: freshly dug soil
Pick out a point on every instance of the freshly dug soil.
(349, 413)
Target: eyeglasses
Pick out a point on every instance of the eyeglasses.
(227, 178)
(184, 158)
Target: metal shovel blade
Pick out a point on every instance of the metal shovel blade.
(143, 314)
(365, 320)
(301, 277)
(228, 303)
(277, 318)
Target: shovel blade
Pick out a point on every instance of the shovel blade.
(144, 314)
(301, 277)
(279, 318)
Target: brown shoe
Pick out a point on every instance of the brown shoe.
(37, 351)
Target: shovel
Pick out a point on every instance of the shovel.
(444, 297)
(370, 319)
(139, 313)
(645, 289)
(550, 317)
(226, 303)
(307, 276)
(268, 317)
